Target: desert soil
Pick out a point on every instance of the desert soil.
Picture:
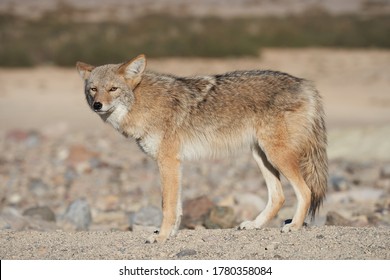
(54, 151)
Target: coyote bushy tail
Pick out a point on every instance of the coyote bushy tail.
(314, 160)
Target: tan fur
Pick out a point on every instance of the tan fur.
(278, 116)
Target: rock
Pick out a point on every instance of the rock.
(78, 215)
(14, 198)
(79, 158)
(38, 187)
(229, 200)
(339, 183)
(29, 138)
(185, 253)
(17, 135)
(148, 217)
(385, 172)
(362, 221)
(33, 139)
(195, 211)
(220, 217)
(44, 213)
(335, 219)
(10, 218)
(4, 223)
(383, 205)
(70, 175)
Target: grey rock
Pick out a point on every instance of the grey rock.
(10, 218)
(220, 217)
(385, 171)
(335, 219)
(38, 187)
(44, 212)
(79, 214)
(4, 223)
(70, 175)
(339, 183)
(185, 253)
(33, 139)
(149, 216)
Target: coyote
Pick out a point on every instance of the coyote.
(278, 117)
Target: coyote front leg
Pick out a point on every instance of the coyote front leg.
(169, 166)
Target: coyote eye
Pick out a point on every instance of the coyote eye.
(93, 89)
(113, 89)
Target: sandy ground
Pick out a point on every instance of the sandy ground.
(313, 243)
(356, 89)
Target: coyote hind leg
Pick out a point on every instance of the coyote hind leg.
(287, 163)
(275, 191)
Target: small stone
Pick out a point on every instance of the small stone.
(70, 175)
(220, 217)
(79, 158)
(33, 139)
(335, 219)
(195, 211)
(38, 187)
(186, 253)
(11, 219)
(44, 212)
(79, 214)
(17, 135)
(4, 223)
(14, 198)
(339, 183)
(149, 216)
(360, 221)
(385, 172)
(79, 153)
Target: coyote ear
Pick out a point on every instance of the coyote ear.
(133, 68)
(84, 69)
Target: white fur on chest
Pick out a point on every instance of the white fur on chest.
(150, 144)
(116, 117)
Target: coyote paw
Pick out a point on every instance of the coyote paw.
(290, 227)
(249, 225)
(156, 238)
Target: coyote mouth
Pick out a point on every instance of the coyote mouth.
(104, 112)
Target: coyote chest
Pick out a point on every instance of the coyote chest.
(149, 144)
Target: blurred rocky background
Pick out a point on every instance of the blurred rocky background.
(61, 168)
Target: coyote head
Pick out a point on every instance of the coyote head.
(110, 87)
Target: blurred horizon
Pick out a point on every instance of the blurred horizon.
(43, 32)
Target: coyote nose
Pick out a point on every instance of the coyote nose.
(97, 106)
